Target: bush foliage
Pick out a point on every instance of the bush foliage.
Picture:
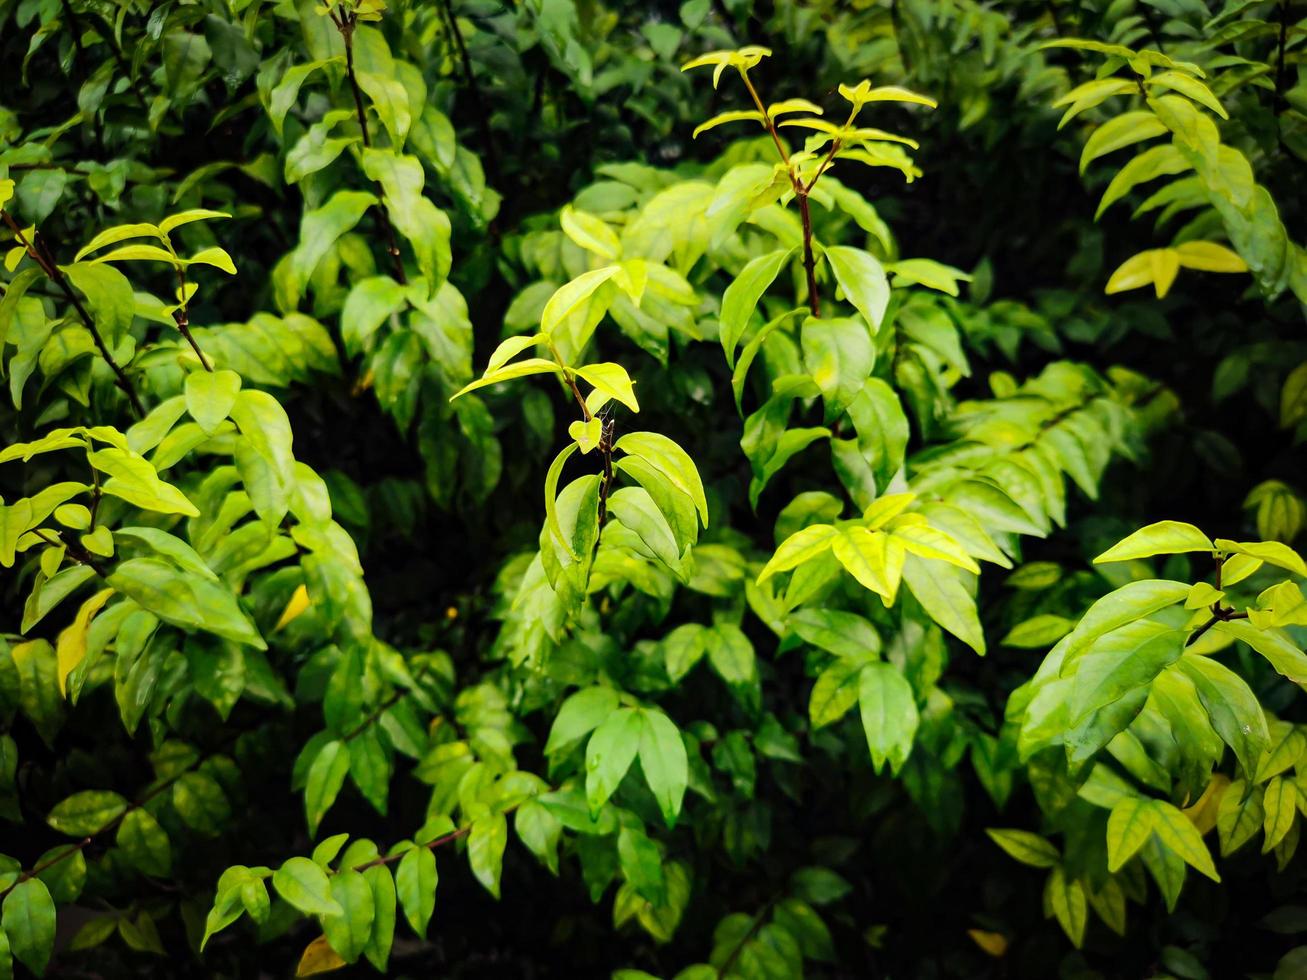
(559, 488)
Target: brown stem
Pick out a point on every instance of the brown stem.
(37, 250)
(345, 25)
(183, 320)
(809, 261)
(571, 382)
(430, 846)
(606, 481)
(75, 551)
(800, 192)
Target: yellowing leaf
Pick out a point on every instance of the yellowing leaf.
(613, 381)
(590, 232)
(318, 957)
(1210, 257)
(1162, 538)
(993, 943)
(571, 295)
(299, 601)
(736, 115)
(71, 646)
(1156, 266)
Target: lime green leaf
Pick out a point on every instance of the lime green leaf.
(742, 295)
(210, 396)
(1162, 538)
(613, 381)
(1128, 828)
(1180, 836)
(591, 233)
(1188, 86)
(570, 296)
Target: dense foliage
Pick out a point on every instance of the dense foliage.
(560, 488)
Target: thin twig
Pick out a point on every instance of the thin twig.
(183, 320)
(345, 22)
(800, 192)
(41, 256)
(111, 825)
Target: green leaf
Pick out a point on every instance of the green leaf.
(664, 761)
(945, 594)
(1162, 538)
(835, 692)
(799, 548)
(609, 753)
(305, 886)
(210, 396)
(415, 883)
(382, 885)
(1240, 816)
(568, 298)
(1232, 707)
(742, 295)
(319, 231)
(1028, 848)
(669, 459)
(1067, 901)
(184, 599)
(1119, 132)
(285, 92)
(145, 843)
(862, 279)
(889, 714)
(1180, 836)
(348, 931)
(86, 813)
(1121, 662)
(1280, 809)
(591, 233)
(579, 715)
(874, 558)
(1128, 829)
(838, 354)
(1272, 552)
(109, 298)
(326, 777)
(485, 850)
(1273, 644)
(1188, 86)
(28, 920)
(132, 478)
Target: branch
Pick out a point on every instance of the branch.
(474, 90)
(111, 825)
(800, 192)
(345, 23)
(183, 320)
(40, 254)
